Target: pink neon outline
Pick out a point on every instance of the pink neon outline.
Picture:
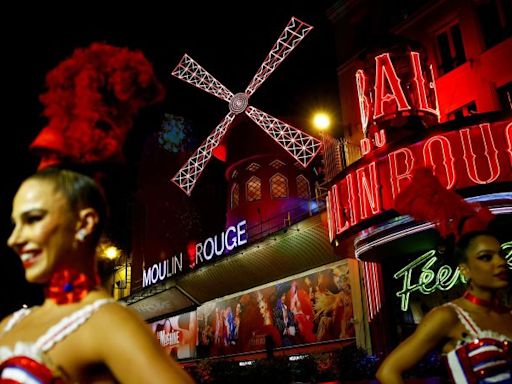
(366, 146)
(376, 288)
(419, 81)
(364, 105)
(393, 82)
(352, 199)
(330, 225)
(470, 158)
(368, 293)
(508, 135)
(446, 149)
(393, 169)
(373, 199)
(380, 138)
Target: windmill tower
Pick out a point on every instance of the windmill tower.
(298, 144)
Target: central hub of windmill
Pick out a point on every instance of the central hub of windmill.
(238, 103)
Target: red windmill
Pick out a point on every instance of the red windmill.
(300, 145)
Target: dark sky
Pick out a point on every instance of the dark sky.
(228, 41)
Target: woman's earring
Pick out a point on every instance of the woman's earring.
(80, 235)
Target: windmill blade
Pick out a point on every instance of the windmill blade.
(292, 35)
(190, 71)
(188, 174)
(300, 145)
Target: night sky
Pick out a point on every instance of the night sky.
(229, 46)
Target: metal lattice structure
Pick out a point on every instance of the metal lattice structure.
(300, 145)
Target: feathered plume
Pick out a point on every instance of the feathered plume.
(91, 101)
(426, 199)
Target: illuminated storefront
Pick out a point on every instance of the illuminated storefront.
(406, 267)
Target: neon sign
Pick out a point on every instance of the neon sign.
(199, 253)
(476, 155)
(411, 91)
(429, 279)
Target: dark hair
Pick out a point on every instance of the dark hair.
(464, 242)
(80, 191)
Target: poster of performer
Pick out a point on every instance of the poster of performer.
(303, 310)
(177, 334)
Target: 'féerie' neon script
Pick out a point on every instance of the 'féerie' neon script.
(430, 280)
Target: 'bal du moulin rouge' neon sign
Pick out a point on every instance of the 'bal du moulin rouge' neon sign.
(460, 157)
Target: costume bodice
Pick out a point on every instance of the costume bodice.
(483, 356)
(24, 364)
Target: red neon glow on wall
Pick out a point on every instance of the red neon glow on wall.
(419, 82)
(385, 75)
(490, 153)
(475, 155)
(382, 96)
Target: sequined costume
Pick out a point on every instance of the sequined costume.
(25, 363)
(482, 357)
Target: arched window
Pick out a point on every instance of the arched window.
(253, 167)
(253, 189)
(278, 186)
(235, 196)
(277, 164)
(303, 191)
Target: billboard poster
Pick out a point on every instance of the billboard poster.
(302, 310)
(177, 334)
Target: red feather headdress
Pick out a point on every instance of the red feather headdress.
(426, 199)
(91, 101)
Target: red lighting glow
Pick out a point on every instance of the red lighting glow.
(389, 98)
(474, 155)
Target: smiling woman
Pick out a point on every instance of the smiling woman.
(474, 331)
(79, 334)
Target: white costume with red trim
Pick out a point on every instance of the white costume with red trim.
(24, 364)
(482, 357)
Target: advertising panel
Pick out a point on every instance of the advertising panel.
(177, 334)
(312, 308)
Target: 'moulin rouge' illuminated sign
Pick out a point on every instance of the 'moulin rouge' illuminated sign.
(197, 254)
(464, 157)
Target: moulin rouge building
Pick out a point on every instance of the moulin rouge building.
(459, 124)
(438, 96)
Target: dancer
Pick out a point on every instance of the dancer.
(79, 334)
(475, 330)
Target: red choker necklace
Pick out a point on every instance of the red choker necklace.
(490, 304)
(69, 286)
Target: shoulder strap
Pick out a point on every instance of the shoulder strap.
(15, 318)
(466, 320)
(68, 325)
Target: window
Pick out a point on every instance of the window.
(451, 49)
(277, 164)
(495, 20)
(303, 187)
(278, 186)
(461, 112)
(253, 189)
(253, 167)
(235, 196)
(505, 95)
